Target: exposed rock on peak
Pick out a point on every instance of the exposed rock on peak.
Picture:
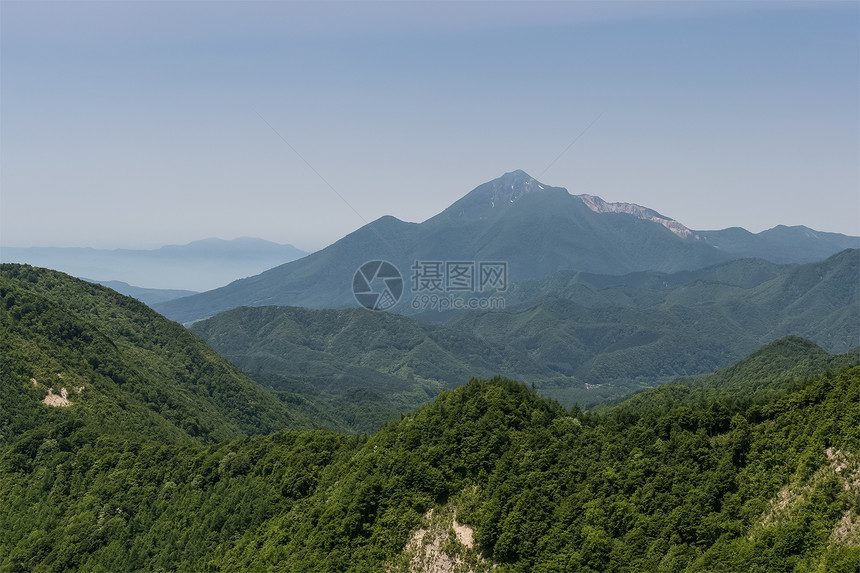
(598, 205)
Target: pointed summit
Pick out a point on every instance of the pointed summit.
(511, 186)
(535, 229)
(493, 197)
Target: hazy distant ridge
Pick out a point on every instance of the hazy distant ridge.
(198, 266)
(537, 229)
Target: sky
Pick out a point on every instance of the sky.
(139, 124)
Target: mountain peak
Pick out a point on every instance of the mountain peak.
(506, 189)
(491, 198)
(517, 174)
(511, 186)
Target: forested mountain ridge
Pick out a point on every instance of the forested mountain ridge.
(760, 484)
(612, 332)
(536, 229)
(766, 374)
(774, 366)
(366, 367)
(110, 363)
(152, 465)
(780, 244)
(576, 337)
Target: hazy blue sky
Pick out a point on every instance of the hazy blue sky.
(136, 124)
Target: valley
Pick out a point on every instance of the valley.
(577, 337)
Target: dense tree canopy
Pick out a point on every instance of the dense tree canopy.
(756, 469)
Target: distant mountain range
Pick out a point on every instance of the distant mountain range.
(575, 337)
(197, 266)
(148, 296)
(535, 228)
(617, 333)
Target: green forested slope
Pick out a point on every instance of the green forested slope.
(764, 375)
(774, 366)
(765, 483)
(622, 334)
(578, 338)
(124, 369)
(363, 367)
